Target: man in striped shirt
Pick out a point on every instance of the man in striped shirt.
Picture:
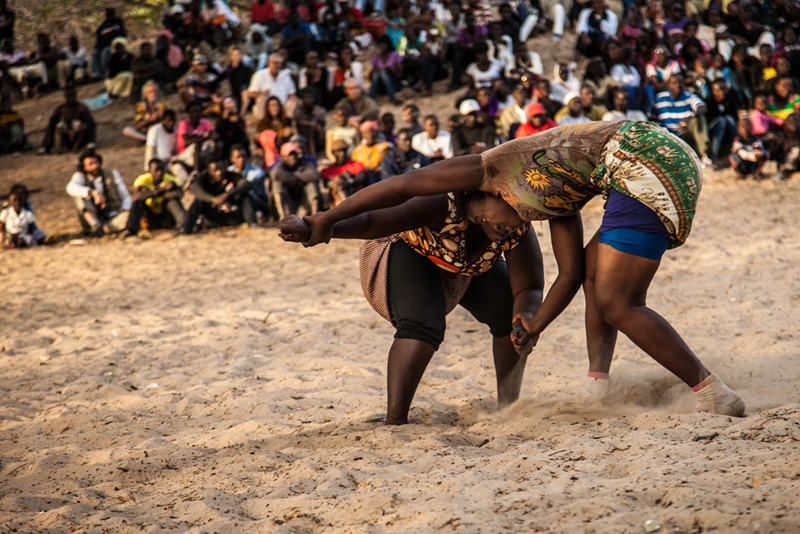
(682, 113)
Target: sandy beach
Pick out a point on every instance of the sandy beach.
(226, 383)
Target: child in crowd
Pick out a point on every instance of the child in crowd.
(342, 130)
(17, 223)
(748, 154)
(762, 121)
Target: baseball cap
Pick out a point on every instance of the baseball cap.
(535, 108)
(288, 148)
(469, 106)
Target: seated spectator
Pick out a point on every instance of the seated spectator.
(433, 143)
(489, 106)
(589, 109)
(721, 116)
(783, 68)
(676, 20)
(537, 121)
(111, 28)
(175, 23)
(274, 130)
(750, 26)
(359, 107)
(563, 83)
(263, 12)
(719, 69)
(70, 127)
(148, 112)
(238, 75)
(387, 70)
(596, 27)
(7, 20)
(411, 118)
(12, 129)
(370, 151)
(760, 118)
(201, 85)
(119, 78)
(100, 196)
(469, 35)
(484, 71)
(748, 154)
(575, 113)
(155, 201)
(662, 68)
(472, 136)
(786, 149)
(346, 68)
(258, 47)
(222, 21)
(345, 176)
(257, 206)
(387, 128)
(401, 158)
(621, 100)
(49, 55)
(596, 77)
(317, 76)
(269, 82)
(512, 116)
(172, 58)
(783, 101)
(146, 67)
(295, 183)
(74, 68)
(219, 197)
(342, 131)
(309, 120)
(500, 46)
(196, 143)
(31, 76)
(682, 113)
(161, 142)
(524, 64)
(509, 23)
(296, 37)
(543, 95)
(625, 72)
(17, 223)
(231, 128)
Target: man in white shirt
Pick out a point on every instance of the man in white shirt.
(102, 200)
(272, 81)
(75, 65)
(596, 26)
(19, 67)
(433, 143)
(162, 140)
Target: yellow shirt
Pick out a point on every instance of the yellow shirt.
(155, 204)
(370, 156)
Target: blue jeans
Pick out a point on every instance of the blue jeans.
(385, 78)
(720, 129)
(100, 61)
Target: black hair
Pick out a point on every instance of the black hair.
(406, 131)
(238, 147)
(155, 161)
(431, 117)
(86, 155)
(194, 104)
(21, 191)
(480, 48)
(169, 113)
(594, 69)
(384, 39)
(465, 198)
(414, 109)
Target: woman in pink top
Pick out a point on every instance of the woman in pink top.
(761, 120)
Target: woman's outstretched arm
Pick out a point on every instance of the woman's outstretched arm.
(416, 213)
(457, 174)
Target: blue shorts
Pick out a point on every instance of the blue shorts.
(644, 244)
(631, 227)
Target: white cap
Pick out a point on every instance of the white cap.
(469, 106)
(176, 9)
(569, 96)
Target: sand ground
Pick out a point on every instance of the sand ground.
(226, 382)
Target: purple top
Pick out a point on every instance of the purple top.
(623, 211)
(393, 61)
(480, 34)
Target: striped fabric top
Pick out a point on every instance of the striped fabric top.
(671, 111)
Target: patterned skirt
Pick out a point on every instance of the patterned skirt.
(374, 267)
(646, 162)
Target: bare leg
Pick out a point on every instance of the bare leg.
(510, 368)
(408, 359)
(620, 292)
(601, 337)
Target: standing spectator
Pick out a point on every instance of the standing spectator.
(621, 100)
(201, 85)
(119, 78)
(74, 68)
(359, 107)
(433, 143)
(370, 151)
(411, 118)
(231, 127)
(342, 131)
(70, 127)
(146, 67)
(238, 75)
(537, 121)
(387, 70)
(309, 120)
(219, 197)
(721, 114)
(155, 201)
(148, 112)
(344, 176)
(256, 205)
(472, 136)
(263, 12)
(596, 27)
(682, 113)
(111, 28)
(563, 83)
(7, 20)
(401, 158)
(574, 113)
(748, 154)
(272, 81)
(295, 183)
(162, 140)
(511, 117)
(100, 196)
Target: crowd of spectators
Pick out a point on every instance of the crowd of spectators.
(279, 111)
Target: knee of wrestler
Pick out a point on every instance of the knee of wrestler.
(428, 329)
(609, 306)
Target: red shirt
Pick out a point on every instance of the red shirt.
(526, 129)
(261, 13)
(353, 167)
(283, 14)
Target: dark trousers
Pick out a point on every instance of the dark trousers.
(172, 216)
(462, 60)
(720, 130)
(212, 217)
(417, 301)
